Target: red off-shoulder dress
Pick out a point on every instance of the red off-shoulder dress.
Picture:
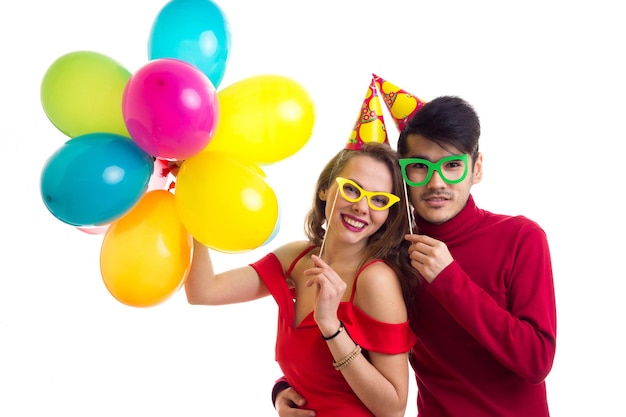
(303, 355)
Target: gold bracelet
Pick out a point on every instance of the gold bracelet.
(345, 361)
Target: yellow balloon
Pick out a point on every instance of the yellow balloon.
(264, 119)
(81, 92)
(224, 202)
(146, 254)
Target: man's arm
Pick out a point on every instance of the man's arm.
(519, 332)
(287, 401)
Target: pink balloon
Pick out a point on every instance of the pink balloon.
(170, 109)
(94, 230)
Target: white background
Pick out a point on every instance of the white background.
(546, 77)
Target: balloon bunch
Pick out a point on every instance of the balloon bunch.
(127, 130)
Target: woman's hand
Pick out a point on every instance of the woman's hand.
(173, 167)
(329, 292)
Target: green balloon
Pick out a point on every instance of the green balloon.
(81, 92)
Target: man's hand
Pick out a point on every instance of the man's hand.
(287, 403)
(429, 256)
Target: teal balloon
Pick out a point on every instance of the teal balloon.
(194, 31)
(95, 178)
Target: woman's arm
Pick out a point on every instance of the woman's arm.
(203, 286)
(381, 383)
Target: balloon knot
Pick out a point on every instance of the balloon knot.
(165, 171)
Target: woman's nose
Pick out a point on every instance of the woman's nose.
(362, 205)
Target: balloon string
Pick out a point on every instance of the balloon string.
(332, 210)
(408, 209)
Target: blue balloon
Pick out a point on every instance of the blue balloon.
(194, 31)
(95, 178)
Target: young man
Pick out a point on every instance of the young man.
(485, 314)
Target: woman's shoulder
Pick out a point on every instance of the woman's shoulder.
(377, 271)
(378, 292)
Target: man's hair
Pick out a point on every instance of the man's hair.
(448, 121)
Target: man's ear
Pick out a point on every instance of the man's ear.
(477, 175)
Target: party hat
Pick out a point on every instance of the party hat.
(370, 126)
(401, 104)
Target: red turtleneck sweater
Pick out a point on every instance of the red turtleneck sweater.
(486, 326)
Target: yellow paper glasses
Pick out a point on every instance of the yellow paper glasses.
(376, 200)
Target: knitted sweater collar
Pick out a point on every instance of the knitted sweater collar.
(460, 225)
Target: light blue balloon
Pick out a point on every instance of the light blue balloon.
(95, 178)
(276, 226)
(194, 31)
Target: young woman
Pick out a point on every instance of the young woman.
(343, 336)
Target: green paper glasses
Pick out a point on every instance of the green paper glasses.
(377, 200)
(417, 171)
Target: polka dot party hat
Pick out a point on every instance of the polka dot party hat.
(370, 125)
(401, 104)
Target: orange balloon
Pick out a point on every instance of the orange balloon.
(146, 254)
